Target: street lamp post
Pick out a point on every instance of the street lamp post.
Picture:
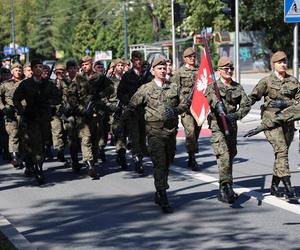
(125, 32)
(173, 36)
(13, 25)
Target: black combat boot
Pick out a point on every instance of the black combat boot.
(289, 191)
(121, 159)
(74, 162)
(38, 172)
(192, 163)
(16, 161)
(91, 169)
(48, 153)
(226, 193)
(161, 199)
(274, 186)
(61, 155)
(138, 161)
(102, 155)
(29, 169)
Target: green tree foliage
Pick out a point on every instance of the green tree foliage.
(75, 25)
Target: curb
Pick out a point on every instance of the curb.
(14, 236)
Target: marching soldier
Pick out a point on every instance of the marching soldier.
(279, 90)
(234, 105)
(57, 129)
(131, 81)
(160, 100)
(11, 118)
(39, 94)
(185, 79)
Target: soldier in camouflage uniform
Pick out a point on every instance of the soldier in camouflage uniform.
(160, 100)
(234, 105)
(39, 94)
(4, 76)
(12, 120)
(116, 124)
(130, 83)
(57, 129)
(279, 90)
(85, 98)
(185, 79)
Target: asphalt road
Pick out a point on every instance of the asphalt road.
(117, 211)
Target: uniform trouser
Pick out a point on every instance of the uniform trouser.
(78, 131)
(96, 124)
(281, 138)
(3, 135)
(12, 129)
(225, 150)
(57, 131)
(35, 135)
(117, 128)
(103, 130)
(192, 131)
(161, 149)
(137, 129)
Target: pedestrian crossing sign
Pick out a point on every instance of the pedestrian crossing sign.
(291, 11)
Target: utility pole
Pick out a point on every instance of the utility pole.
(13, 25)
(173, 36)
(295, 59)
(237, 43)
(125, 32)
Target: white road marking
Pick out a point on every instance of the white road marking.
(266, 197)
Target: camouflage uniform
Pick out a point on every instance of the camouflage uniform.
(161, 133)
(272, 88)
(236, 101)
(185, 79)
(7, 90)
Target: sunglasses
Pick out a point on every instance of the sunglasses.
(59, 72)
(227, 68)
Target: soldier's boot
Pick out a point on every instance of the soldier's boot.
(61, 155)
(74, 162)
(192, 163)
(29, 169)
(121, 159)
(161, 199)
(138, 161)
(48, 153)
(39, 174)
(6, 156)
(289, 191)
(226, 193)
(275, 186)
(102, 155)
(16, 161)
(91, 169)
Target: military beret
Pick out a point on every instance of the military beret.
(118, 60)
(71, 63)
(26, 65)
(59, 66)
(224, 61)
(159, 61)
(137, 54)
(86, 59)
(16, 65)
(279, 55)
(36, 61)
(189, 51)
(98, 63)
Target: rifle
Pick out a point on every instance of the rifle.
(216, 88)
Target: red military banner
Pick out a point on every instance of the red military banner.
(200, 107)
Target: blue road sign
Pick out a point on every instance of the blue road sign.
(23, 50)
(8, 50)
(291, 11)
(87, 52)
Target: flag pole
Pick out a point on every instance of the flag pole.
(216, 88)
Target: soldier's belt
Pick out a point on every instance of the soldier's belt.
(157, 124)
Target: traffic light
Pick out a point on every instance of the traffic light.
(179, 12)
(230, 10)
